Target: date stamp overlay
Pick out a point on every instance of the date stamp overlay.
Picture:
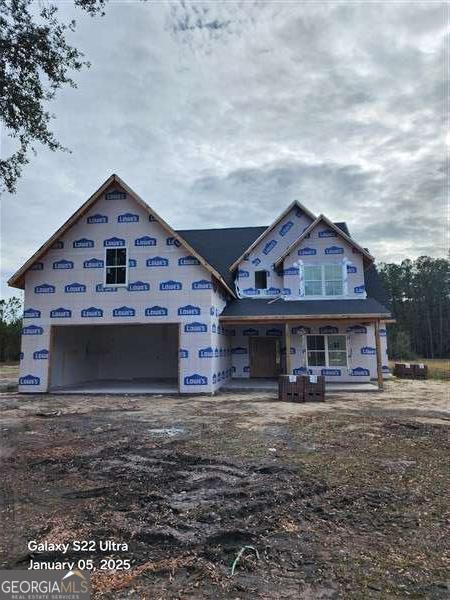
(61, 571)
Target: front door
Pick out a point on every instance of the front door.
(264, 357)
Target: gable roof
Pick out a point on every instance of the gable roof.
(321, 218)
(270, 228)
(17, 280)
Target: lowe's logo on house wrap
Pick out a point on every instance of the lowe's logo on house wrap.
(202, 284)
(132, 262)
(83, 243)
(251, 292)
(307, 252)
(351, 269)
(328, 329)
(327, 233)
(187, 261)
(60, 313)
(273, 291)
(360, 372)
(206, 353)
(156, 311)
(152, 218)
(32, 330)
(31, 313)
(45, 288)
(239, 350)
(59, 245)
(63, 264)
(256, 261)
(138, 286)
(184, 353)
(188, 310)
(29, 380)
(214, 378)
(145, 240)
(334, 250)
(291, 271)
(95, 219)
(114, 242)
(274, 332)
(195, 379)
(157, 261)
(171, 241)
(123, 311)
(38, 266)
(128, 218)
(242, 273)
(75, 288)
(286, 227)
(195, 327)
(105, 288)
(167, 286)
(92, 312)
(385, 369)
(286, 292)
(331, 372)
(269, 247)
(357, 329)
(359, 289)
(383, 332)
(251, 331)
(115, 195)
(40, 354)
(301, 330)
(93, 263)
(368, 350)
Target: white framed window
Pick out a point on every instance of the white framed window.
(324, 280)
(326, 350)
(116, 264)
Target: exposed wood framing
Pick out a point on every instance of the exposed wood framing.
(287, 335)
(378, 350)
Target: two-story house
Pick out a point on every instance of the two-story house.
(116, 299)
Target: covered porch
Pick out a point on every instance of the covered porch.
(271, 385)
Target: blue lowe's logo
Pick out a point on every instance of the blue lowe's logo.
(327, 233)
(214, 379)
(32, 330)
(145, 240)
(301, 330)
(274, 332)
(186, 261)
(45, 288)
(31, 313)
(251, 291)
(60, 313)
(128, 218)
(383, 332)
(206, 353)
(105, 288)
(132, 262)
(246, 369)
(385, 369)
(273, 291)
(92, 312)
(359, 289)
(157, 261)
(286, 227)
(256, 261)
(242, 273)
(188, 310)
(360, 372)
(286, 292)
(114, 242)
(95, 219)
(298, 212)
(93, 263)
(195, 379)
(184, 353)
(195, 327)
(331, 372)
(307, 252)
(156, 311)
(251, 331)
(167, 286)
(291, 271)
(83, 243)
(75, 288)
(334, 250)
(239, 350)
(202, 284)
(29, 380)
(152, 218)
(59, 245)
(138, 286)
(124, 311)
(357, 329)
(38, 266)
(368, 350)
(40, 354)
(328, 329)
(269, 247)
(351, 269)
(171, 241)
(63, 264)
(115, 195)
(299, 371)
(213, 328)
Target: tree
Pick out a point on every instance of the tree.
(35, 61)
(10, 329)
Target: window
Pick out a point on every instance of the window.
(116, 266)
(260, 280)
(323, 280)
(326, 350)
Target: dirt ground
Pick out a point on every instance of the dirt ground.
(343, 499)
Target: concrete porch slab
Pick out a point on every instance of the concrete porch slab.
(258, 385)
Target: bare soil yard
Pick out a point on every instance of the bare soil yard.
(343, 499)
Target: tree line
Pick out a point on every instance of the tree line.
(10, 329)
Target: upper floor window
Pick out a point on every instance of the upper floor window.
(116, 266)
(260, 280)
(323, 280)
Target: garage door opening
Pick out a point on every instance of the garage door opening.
(113, 359)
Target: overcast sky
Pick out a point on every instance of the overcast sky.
(222, 114)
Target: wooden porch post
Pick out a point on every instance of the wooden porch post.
(378, 349)
(287, 338)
